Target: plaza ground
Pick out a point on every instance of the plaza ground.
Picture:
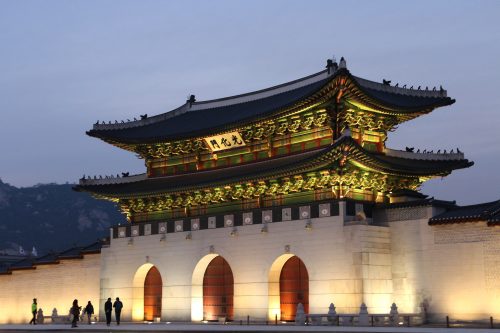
(187, 328)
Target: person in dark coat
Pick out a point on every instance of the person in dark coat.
(118, 305)
(108, 308)
(75, 311)
(89, 310)
(34, 307)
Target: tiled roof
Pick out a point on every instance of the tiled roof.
(205, 117)
(487, 212)
(408, 193)
(418, 203)
(50, 258)
(206, 120)
(275, 167)
(53, 258)
(406, 101)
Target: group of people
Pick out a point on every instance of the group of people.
(88, 310)
(75, 312)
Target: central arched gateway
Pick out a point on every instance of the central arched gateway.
(294, 288)
(152, 294)
(218, 290)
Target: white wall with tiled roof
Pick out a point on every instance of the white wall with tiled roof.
(55, 286)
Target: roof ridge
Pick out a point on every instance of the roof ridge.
(400, 90)
(192, 106)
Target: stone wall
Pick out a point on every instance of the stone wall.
(343, 262)
(54, 285)
(448, 269)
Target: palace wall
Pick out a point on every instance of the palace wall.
(346, 264)
(396, 257)
(54, 286)
(445, 269)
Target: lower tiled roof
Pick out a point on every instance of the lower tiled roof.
(76, 252)
(486, 212)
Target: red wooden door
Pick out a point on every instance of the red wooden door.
(218, 290)
(152, 294)
(294, 288)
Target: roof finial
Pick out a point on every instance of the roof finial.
(342, 63)
(191, 100)
(331, 65)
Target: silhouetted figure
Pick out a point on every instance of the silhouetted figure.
(386, 82)
(125, 174)
(410, 150)
(89, 311)
(34, 309)
(108, 307)
(144, 116)
(118, 305)
(75, 311)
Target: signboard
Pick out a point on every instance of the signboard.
(224, 141)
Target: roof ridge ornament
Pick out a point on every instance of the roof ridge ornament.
(191, 99)
(331, 65)
(343, 63)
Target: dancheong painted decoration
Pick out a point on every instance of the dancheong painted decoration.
(316, 138)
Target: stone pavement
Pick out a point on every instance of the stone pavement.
(188, 328)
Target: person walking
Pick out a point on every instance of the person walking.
(118, 305)
(75, 311)
(89, 310)
(34, 309)
(108, 307)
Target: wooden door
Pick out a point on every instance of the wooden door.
(294, 288)
(152, 294)
(218, 290)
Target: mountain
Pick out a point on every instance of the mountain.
(52, 217)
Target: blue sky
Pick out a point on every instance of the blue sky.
(66, 64)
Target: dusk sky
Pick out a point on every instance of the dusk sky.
(66, 64)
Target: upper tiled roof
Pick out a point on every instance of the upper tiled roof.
(486, 212)
(403, 98)
(206, 117)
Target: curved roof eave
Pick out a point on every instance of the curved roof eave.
(276, 168)
(200, 118)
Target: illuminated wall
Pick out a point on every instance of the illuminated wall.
(55, 286)
(452, 270)
(347, 264)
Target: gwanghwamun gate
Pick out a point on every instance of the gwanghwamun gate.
(254, 203)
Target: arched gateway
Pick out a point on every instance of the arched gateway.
(152, 294)
(218, 290)
(146, 293)
(294, 288)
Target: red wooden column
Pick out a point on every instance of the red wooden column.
(152, 294)
(218, 290)
(294, 288)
